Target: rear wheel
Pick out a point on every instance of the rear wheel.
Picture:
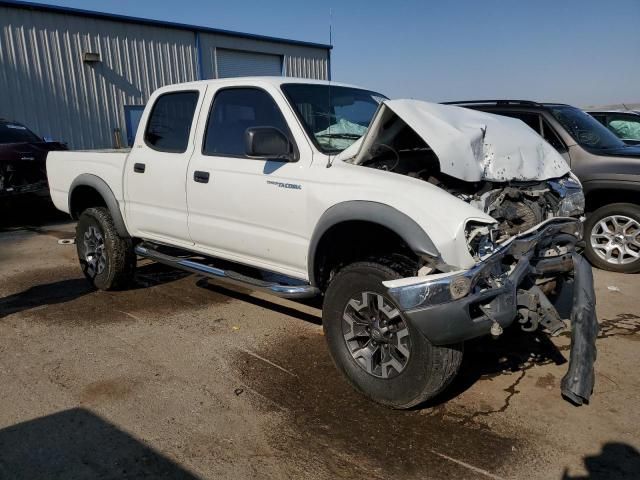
(376, 347)
(107, 260)
(612, 235)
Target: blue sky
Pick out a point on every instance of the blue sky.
(581, 52)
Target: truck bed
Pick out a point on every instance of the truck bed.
(64, 167)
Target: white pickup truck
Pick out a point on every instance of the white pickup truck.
(421, 225)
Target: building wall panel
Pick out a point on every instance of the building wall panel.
(45, 84)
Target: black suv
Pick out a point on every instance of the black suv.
(608, 169)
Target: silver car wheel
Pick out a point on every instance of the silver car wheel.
(376, 335)
(94, 254)
(616, 239)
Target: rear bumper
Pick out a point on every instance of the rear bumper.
(492, 297)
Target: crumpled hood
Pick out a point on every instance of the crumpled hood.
(471, 145)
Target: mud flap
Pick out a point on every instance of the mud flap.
(577, 384)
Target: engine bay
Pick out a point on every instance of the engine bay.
(515, 205)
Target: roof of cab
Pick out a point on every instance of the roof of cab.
(257, 81)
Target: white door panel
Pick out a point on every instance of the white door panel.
(244, 212)
(252, 210)
(155, 175)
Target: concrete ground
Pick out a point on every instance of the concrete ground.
(179, 378)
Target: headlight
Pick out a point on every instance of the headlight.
(481, 238)
(436, 290)
(572, 205)
(571, 196)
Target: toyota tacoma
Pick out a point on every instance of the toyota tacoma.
(421, 225)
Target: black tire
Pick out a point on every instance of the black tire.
(627, 210)
(117, 258)
(428, 369)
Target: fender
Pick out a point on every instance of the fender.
(414, 236)
(106, 193)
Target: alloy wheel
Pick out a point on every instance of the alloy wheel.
(376, 335)
(94, 254)
(616, 239)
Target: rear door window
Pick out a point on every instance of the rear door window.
(550, 135)
(169, 124)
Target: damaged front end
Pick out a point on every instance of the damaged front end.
(517, 282)
(517, 258)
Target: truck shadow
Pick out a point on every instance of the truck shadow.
(64, 291)
(77, 443)
(486, 358)
(46, 294)
(244, 295)
(17, 213)
(616, 461)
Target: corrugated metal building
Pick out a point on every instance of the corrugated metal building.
(81, 77)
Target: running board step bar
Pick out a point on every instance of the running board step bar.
(278, 289)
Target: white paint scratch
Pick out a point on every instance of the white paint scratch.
(255, 355)
(466, 465)
(130, 315)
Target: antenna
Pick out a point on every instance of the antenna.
(329, 161)
(330, 25)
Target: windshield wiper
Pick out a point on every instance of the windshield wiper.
(349, 136)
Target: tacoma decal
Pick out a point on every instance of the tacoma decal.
(293, 186)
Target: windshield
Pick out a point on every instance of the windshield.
(585, 129)
(16, 133)
(334, 117)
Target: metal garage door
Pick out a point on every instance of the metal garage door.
(236, 63)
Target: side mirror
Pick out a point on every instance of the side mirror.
(268, 143)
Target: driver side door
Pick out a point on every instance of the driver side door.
(249, 210)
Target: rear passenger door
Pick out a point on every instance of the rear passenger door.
(155, 173)
(245, 209)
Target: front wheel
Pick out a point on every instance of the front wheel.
(612, 235)
(376, 347)
(107, 260)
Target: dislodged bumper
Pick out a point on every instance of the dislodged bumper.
(577, 384)
(451, 308)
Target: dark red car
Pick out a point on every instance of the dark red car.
(23, 156)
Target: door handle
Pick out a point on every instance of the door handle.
(139, 167)
(201, 177)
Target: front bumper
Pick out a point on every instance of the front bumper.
(492, 297)
(39, 188)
